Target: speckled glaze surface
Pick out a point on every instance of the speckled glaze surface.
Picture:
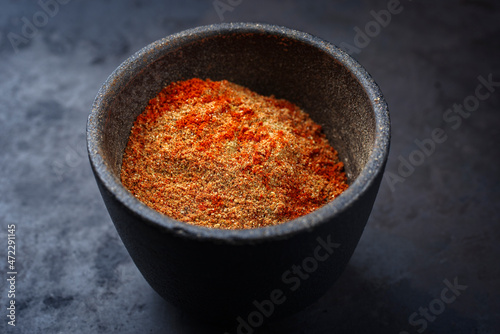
(218, 274)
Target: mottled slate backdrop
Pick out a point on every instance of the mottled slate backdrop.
(434, 222)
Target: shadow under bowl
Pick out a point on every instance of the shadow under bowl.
(222, 274)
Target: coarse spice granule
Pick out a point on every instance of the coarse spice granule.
(216, 154)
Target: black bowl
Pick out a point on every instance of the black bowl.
(265, 272)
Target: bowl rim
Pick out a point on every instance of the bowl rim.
(150, 53)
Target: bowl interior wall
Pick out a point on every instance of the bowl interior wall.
(268, 64)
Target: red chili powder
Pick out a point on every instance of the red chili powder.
(216, 154)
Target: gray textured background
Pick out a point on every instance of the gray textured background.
(441, 223)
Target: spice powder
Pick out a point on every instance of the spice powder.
(216, 154)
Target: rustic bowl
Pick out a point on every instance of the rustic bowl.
(245, 275)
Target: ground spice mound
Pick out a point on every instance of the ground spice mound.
(215, 154)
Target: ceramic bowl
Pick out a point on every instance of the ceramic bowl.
(245, 275)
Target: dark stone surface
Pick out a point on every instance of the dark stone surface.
(441, 223)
